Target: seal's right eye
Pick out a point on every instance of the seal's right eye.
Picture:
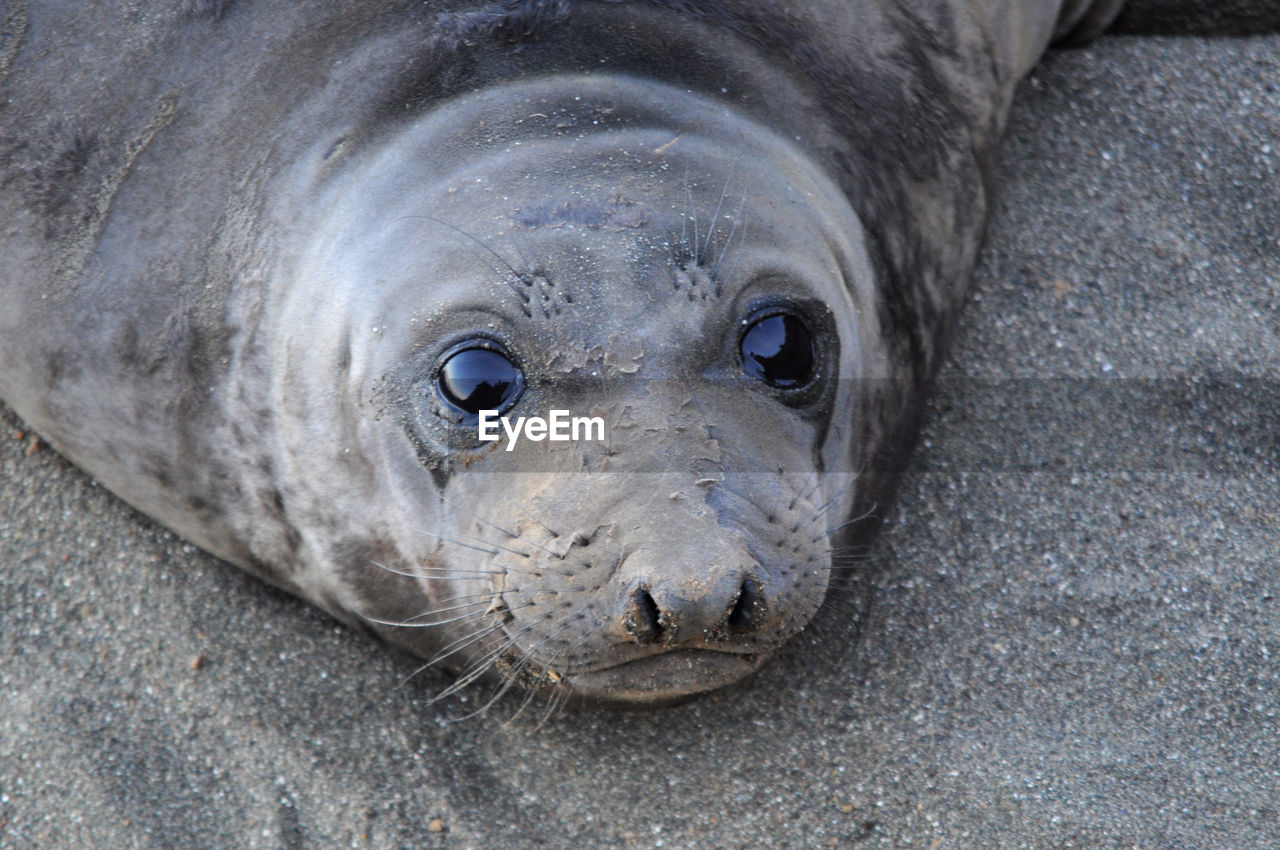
(779, 350)
(476, 379)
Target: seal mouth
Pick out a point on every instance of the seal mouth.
(665, 677)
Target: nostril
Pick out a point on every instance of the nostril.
(643, 623)
(743, 616)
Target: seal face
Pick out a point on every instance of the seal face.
(703, 314)
(270, 295)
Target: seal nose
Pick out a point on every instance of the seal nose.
(669, 615)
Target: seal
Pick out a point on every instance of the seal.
(266, 268)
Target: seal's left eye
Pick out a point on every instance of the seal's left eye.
(778, 350)
(476, 379)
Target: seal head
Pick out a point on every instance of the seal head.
(706, 313)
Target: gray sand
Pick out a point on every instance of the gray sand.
(1075, 639)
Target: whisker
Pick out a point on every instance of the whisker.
(504, 548)
(480, 666)
(411, 624)
(728, 273)
(519, 242)
(728, 242)
(460, 644)
(835, 591)
(684, 216)
(530, 693)
(546, 676)
(474, 239)
(816, 484)
(852, 553)
(846, 523)
(693, 248)
(850, 559)
(414, 620)
(457, 573)
(459, 543)
(715, 216)
(508, 680)
(395, 571)
(800, 492)
(842, 604)
(486, 596)
(479, 518)
(490, 552)
(511, 675)
(559, 699)
(839, 495)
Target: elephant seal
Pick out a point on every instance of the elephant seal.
(267, 266)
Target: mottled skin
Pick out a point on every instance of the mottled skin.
(238, 238)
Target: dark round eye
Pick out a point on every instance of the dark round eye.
(476, 379)
(778, 350)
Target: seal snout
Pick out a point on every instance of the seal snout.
(666, 616)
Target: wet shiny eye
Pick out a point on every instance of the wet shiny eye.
(476, 379)
(778, 350)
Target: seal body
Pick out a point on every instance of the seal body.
(263, 264)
